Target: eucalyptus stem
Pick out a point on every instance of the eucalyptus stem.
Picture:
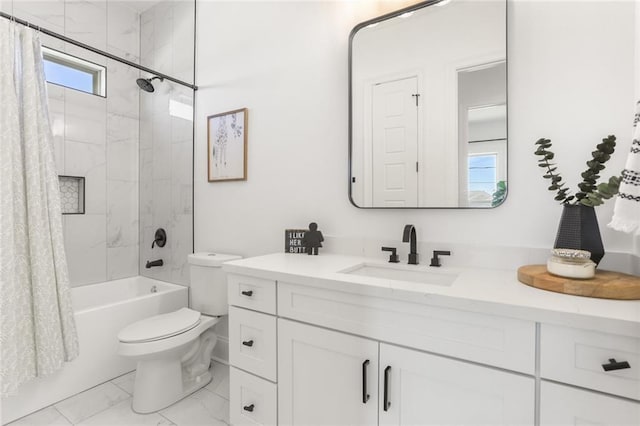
(556, 179)
(590, 194)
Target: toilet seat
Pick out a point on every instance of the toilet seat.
(160, 327)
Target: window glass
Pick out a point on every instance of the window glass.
(74, 73)
(482, 179)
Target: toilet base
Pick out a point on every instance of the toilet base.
(159, 383)
(176, 374)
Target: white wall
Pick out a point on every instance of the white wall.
(570, 79)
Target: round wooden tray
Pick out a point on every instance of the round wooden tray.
(605, 284)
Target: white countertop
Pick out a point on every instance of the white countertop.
(491, 291)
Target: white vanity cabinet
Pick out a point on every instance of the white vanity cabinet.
(327, 377)
(313, 347)
(336, 363)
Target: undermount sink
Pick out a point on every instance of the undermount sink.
(402, 273)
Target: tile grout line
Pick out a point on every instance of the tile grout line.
(120, 387)
(167, 418)
(61, 414)
(104, 409)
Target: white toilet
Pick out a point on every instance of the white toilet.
(173, 350)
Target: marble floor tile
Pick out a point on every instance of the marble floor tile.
(46, 417)
(126, 382)
(121, 414)
(201, 408)
(220, 382)
(91, 402)
(109, 404)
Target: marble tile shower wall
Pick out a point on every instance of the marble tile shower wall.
(166, 148)
(96, 137)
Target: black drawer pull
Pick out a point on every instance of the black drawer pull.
(248, 408)
(365, 395)
(386, 402)
(247, 293)
(615, 365)
(248, 343)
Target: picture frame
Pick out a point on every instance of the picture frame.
(227, 146)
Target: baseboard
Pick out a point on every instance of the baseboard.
(221, 350)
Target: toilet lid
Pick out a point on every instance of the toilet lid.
(160, 326)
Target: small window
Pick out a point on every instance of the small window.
(74, 73)
(482, 179)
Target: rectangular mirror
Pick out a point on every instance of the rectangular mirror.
(428, 107)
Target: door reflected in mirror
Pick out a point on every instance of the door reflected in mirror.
(428, 98)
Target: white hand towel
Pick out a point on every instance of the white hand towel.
(626, 213)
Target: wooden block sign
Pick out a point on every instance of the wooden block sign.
(293, 240)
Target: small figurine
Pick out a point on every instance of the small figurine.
(312, 239)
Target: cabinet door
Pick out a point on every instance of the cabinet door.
(324, 377)
(564, 405)
(425, 389)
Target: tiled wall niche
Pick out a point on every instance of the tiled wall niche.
(71, 194)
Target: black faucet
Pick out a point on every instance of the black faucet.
(409, 236)
(434, 260)
(153, 263)
(393, 257)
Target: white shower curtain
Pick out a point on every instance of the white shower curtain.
(37, 327)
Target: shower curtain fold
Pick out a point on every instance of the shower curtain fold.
(37, 330)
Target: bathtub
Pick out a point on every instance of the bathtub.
(101, 311)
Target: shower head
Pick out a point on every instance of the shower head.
(145, 83)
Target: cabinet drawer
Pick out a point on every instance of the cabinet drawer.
(579, 357)
(493, 340)
(252, 342)
(252, 401)
(564, 405)
(252, 293)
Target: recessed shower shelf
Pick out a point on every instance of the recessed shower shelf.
(71, 194)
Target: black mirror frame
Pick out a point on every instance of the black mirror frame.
(394, 14)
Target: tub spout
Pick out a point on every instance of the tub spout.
(151, 264)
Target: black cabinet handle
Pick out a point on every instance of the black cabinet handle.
(247, 293)
(615, 365)
(387, 377)
(248, 343)
(365, 395)
(248, 408)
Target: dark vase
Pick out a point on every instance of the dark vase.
(579, 230)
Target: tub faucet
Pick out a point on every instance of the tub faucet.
(409, 236)
(151, 264)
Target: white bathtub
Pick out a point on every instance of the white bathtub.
(101, 311)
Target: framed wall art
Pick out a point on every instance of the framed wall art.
(227, 146)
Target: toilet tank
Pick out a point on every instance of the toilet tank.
(208, 284)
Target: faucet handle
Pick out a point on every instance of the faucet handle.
(393, 257)
(434, 260)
